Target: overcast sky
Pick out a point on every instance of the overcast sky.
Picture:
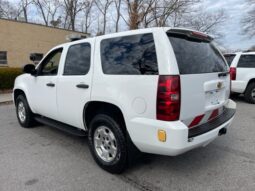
(235, 10)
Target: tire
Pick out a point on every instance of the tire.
(249, 94)
(106, 136)
(25, 117)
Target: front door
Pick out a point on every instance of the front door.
(43, 86)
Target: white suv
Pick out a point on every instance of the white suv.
(242, 71)
(160, 90)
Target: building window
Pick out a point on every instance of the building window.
(3, 57)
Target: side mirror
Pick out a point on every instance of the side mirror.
(36, 57)
(29, 69)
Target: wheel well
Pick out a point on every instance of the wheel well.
(96, 107)
(18, 92)
(251, 81)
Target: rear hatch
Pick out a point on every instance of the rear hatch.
(204, 76)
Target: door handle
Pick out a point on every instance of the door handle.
(222, 74)
(50, 84)
(84, 86)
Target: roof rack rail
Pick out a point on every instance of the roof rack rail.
(73, 37)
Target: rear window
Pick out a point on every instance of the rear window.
(196, 56)
(229, 58)
(247, 61)
(129, 55)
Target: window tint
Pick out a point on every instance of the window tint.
(196, 56)
(50, 64)
(247, 61)
(78, 59)
(133, 55)
(3, 57)
(229, 58)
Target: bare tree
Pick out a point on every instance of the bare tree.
(137, 11)
(71, 9)
(103, 7)
(48, 9)
(249, 19)
(83, 14)
(24, 4)
(146, 13)
(205, 22)
(168, 12)
(117, 4)
(7, 10)
(88, 4)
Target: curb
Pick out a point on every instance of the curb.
(6, 102)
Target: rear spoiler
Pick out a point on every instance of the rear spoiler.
(189, 34)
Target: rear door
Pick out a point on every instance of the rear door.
(74, 83)
(205, 82)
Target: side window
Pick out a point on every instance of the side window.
(78, 59)
(3, 57)
(247, 61)
(130, 55)
(49, 66)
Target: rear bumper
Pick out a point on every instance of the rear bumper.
(227, 114)
(143, 133)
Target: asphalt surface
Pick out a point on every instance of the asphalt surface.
(44, 158)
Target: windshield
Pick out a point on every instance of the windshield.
(195, 56)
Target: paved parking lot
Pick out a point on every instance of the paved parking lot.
(44, 158)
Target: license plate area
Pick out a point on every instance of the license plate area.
(214, 97)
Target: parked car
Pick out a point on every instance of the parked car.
(160, 90)
(242, 71)
(229, 58)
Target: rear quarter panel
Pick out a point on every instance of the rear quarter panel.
(135, 95)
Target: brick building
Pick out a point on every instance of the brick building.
(19, 39)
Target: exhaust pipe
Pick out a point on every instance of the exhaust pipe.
(223, 131)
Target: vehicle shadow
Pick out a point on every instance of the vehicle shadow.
(195, 159)
(72, 142)
(238, 98)
(188, 165)
(141, 173)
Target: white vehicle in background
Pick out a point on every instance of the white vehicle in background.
(159, 90)
(230, 57)
(242, 72)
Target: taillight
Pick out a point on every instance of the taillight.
(168, 98)
(232, 73)
(230, 87)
